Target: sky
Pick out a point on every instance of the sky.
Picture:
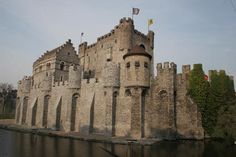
(186, 31)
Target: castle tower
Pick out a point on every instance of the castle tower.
(126, 29)
(137, 63)
(75, 76)
(137, 73)
(164, 95)
(23, 94)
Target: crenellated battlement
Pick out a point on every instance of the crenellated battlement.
(126, 20)
(217, 72)
(52, 53)
(84, 44)
(166, 66)
(106, 36)
(186, 69)
(60, 84)
(108, 88)
(91, 46)
(138, 33)
(182, 77)
(25, 84)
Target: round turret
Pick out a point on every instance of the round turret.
(137, 67)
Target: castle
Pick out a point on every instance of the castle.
(109, 88)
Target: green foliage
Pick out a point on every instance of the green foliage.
(216, 101)
(7, 100)
(198, 90)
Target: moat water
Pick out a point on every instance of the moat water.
(15, 144)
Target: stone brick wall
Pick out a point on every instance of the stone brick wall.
(96, 92)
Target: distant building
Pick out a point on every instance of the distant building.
(109, 88)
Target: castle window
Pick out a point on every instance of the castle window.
(48, 65)
(68, 53)
(137, 64)
(101, 46)
(40, 68)
(115, 41)
(141, 45)
(128, 65)
(145, 64)
(163, 94)
(61, 78)
(127, 92)
(62, 66)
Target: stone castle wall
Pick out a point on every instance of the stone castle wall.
(109, 88)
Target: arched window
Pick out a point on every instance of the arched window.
(141, 45)
(62, 66)
(128, 65)
(137, 64)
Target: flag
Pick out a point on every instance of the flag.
(136, 11)
(206, 77)
(150, 22)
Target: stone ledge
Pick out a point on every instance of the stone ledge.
(10, 125)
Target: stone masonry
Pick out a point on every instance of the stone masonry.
(109, 88)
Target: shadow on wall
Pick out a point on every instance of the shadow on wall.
(86, 130)
(167, 134)
(171, 134)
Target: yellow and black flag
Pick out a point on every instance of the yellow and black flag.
(150, 22)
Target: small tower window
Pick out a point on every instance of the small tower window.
(47, 74)
(127, 92)
(128, 65)
(61, 78)
(68, 53)
(145, 64)
(48, 66)
(62, 66)
(137, 64)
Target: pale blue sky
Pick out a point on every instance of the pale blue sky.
(186, 31)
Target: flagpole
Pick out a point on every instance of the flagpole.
(81, 35)
(132, 14)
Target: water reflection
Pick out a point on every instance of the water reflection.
(15, 144)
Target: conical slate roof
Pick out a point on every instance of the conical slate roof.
(137, 50)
